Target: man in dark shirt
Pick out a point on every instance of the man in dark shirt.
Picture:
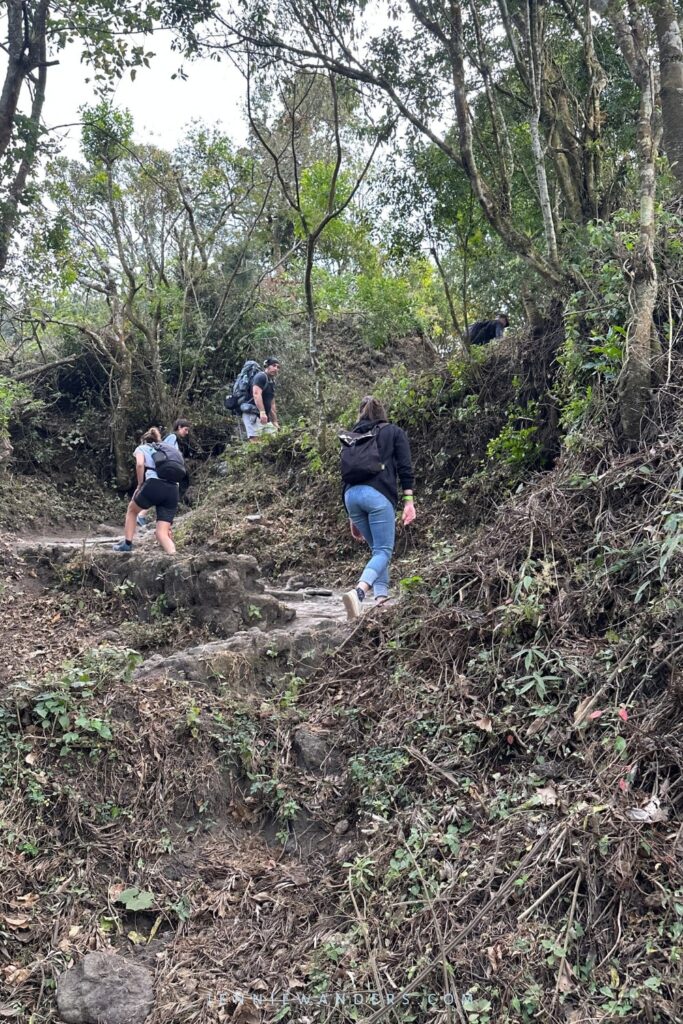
(264, 420)
(486, 330)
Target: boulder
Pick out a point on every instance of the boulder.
(221, 591)
(104, 988)
(313, 747)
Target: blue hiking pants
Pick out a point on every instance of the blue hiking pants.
(375, 517)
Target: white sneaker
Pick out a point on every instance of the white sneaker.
(352, 604)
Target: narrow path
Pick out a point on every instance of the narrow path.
(73, 538)
(49, 624)
(311, 605)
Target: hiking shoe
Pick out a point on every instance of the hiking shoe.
(352, 603)
(124, 545)
(141, 521)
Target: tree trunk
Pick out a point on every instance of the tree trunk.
(636, 378)
(637, 374)
(119, 420)
(15, 73)
(9, 212)
(158, 394)
(26, 51)
(565, 167)
(120, 389)
(449, 299)
(535, 45)
(313, 353)
(543, 193)
(6, 450)
(148, 327)
(670, 45)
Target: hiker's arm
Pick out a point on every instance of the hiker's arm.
(404, 468)
(258, 402)
(139, 470)
(404, 463)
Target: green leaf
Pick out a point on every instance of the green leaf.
(136, 899)
(620, 744)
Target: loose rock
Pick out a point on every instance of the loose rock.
(104, 987)
(313, 748)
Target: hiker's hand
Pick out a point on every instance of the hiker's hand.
(355, 532)
(408, 513)
(263, 418)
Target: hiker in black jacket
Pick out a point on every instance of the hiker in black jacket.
(371, 501)
(486, 330)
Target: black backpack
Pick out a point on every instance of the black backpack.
(241, 389)
(168, 462)
(359, 458)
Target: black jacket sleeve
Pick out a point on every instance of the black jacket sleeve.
(402, 459)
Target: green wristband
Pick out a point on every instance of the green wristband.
(407, 497)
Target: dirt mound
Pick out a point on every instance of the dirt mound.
(34, 502)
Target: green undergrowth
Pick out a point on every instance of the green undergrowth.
(511, 742)
(489, 824)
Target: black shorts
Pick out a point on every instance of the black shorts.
(162, 494)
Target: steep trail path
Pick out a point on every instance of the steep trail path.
(47, 623)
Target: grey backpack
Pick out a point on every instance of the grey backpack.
(169, 463)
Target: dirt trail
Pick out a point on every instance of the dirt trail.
(49, 624)
(312, 606)
(32, 543)
(75, 536)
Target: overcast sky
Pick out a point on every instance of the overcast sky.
(161, 106)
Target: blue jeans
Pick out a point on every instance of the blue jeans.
(375, 517)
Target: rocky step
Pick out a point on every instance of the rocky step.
(250, 658)
(215, 589)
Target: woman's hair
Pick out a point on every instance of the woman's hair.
(372, 409)
(181, 423)
(151, 435)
